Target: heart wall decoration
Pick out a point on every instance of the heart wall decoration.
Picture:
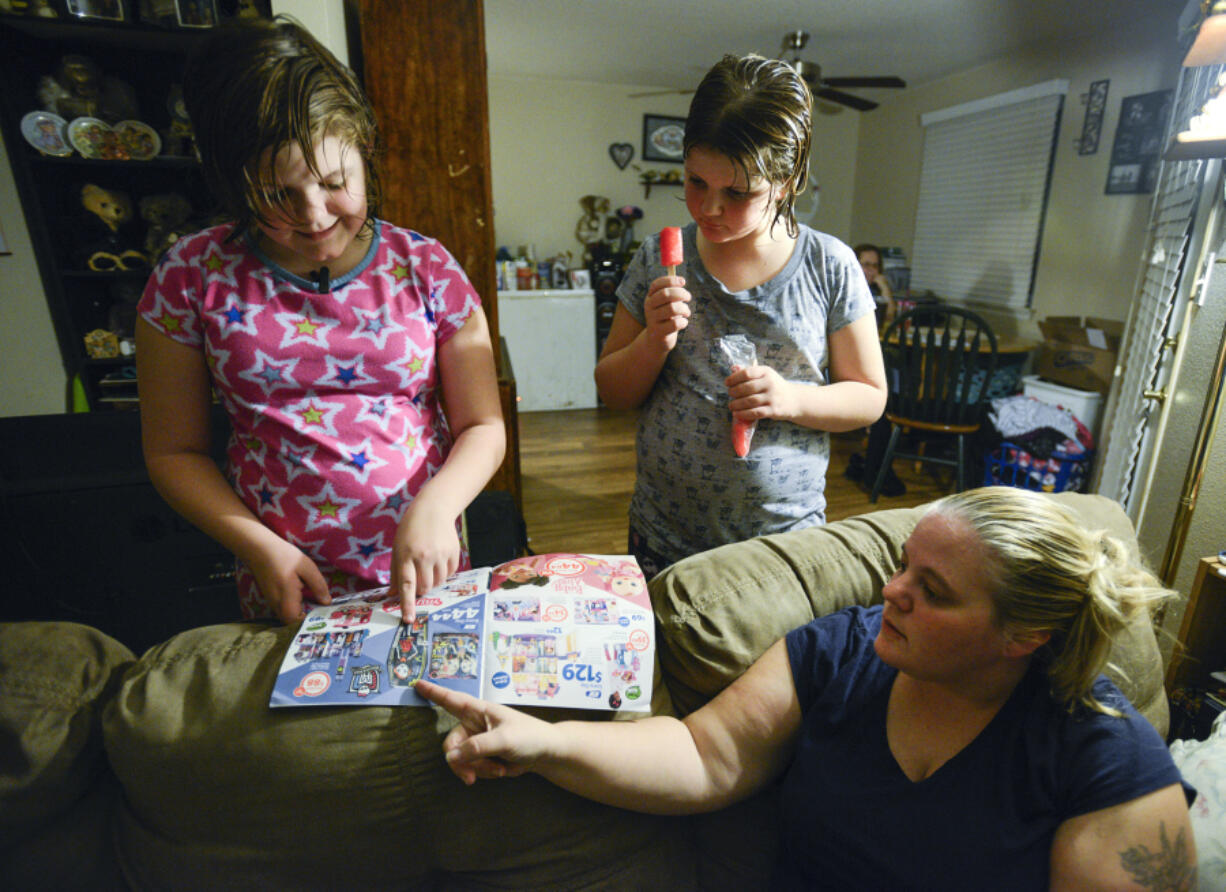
(621, 153)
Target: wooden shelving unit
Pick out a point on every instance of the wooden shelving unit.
(1202, 634)
(146, 59)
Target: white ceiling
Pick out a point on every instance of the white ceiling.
(671, 43)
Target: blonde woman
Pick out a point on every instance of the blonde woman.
(958, 736)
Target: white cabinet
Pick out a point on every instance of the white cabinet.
(551, 336)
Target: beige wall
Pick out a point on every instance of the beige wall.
(32, 377)
(549, 147)
(549, 142)
(323, 18)
(1089, 255)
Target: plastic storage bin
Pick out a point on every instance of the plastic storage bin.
(1012, 465)
(1084, 404)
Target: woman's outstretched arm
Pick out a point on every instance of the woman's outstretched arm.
(723, 752)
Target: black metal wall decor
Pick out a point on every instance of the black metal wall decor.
(1092, 127)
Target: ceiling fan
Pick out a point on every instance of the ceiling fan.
(824, 87)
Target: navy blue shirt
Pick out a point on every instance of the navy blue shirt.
(985, 819)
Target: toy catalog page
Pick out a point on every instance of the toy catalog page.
(569, 630)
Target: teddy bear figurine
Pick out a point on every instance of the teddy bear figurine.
(166, 215)
(102, 243)
(79, 89)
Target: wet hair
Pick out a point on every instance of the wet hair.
(253, 88)
(758, 113)
(1054, 576)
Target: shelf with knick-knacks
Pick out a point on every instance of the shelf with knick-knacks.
(651, 178)
(106, 172)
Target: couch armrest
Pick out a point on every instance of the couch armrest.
(719, 611)
(57, 794)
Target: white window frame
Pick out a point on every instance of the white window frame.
(983, 195)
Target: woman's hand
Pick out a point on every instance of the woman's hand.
(425, 553)
(759, 391)
(491, 740)
(666, 311)
(882, 282)
(286, 576)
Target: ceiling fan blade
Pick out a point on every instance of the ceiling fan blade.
(896, 82)
(846, 99)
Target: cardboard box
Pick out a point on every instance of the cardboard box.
(1079, 353)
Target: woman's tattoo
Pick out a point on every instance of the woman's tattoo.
(1170, 867)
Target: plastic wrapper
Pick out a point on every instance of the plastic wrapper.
(737, 351)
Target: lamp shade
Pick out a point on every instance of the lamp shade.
(1209, 48)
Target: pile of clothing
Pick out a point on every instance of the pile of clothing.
(1036, 445)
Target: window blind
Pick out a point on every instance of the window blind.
(1161, 294)
(982, 196)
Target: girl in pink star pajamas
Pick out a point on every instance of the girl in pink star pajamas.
(352, 356)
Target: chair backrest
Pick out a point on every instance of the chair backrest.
(939, 364)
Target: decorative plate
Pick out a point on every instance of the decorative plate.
(141, 140)
(45, 132)
(94, 138)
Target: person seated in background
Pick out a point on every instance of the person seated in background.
(959, 735)
(878, 284)
(862, 469)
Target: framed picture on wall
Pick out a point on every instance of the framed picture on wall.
(179, 13)
(1138, 143)
(196, 13)
(108, 10)
(662, 138)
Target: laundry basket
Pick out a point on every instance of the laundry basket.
(1011, 465)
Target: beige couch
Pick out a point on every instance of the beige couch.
(170, 771)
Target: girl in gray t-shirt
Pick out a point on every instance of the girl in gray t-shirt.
(749, 269)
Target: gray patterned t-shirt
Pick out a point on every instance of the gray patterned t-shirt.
(691, 491)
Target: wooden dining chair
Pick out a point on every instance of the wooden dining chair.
(939, 363)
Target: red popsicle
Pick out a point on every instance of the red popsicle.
(742, 433)
(670, 248)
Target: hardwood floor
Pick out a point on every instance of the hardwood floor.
(578, 474)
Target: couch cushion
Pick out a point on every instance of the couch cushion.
(719, 611)
(219, 786)
(56, 791)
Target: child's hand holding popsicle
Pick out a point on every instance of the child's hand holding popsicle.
(666, 310)
(740, 353)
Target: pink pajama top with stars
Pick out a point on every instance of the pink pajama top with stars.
(334, 398)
